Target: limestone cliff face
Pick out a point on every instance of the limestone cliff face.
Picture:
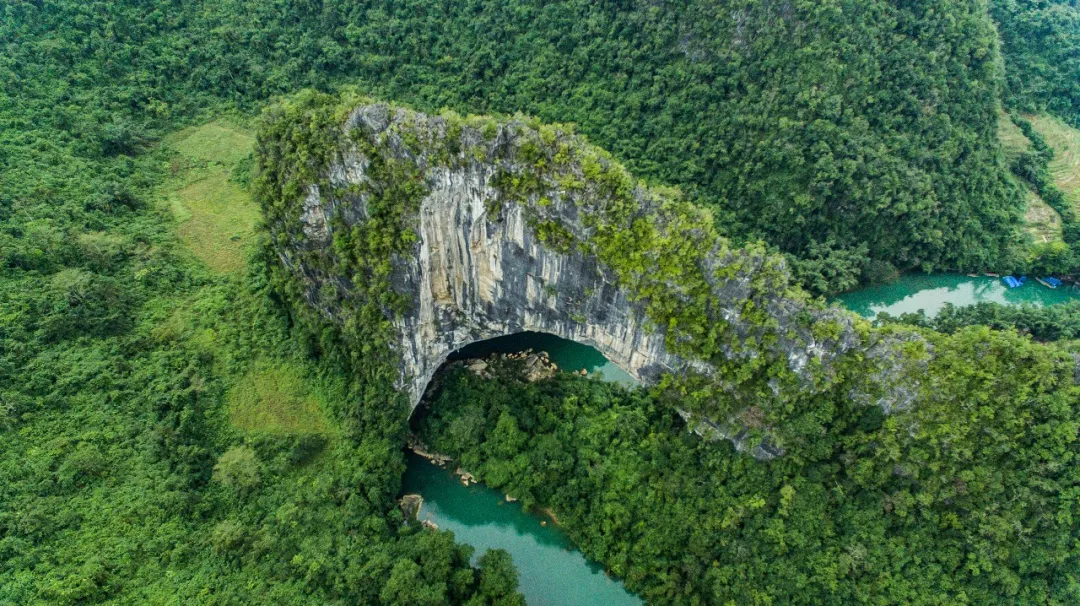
(475, 279)
(476, 274)
(479, 268)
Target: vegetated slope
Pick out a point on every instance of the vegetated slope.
(1048, 169)
(1040, 44)
(1043, 222)
(1013, 141)
(1064, 167)
(839, 131)
(215, 214)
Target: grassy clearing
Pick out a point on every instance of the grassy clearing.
(1012, 138)
(274, 398)
(1042, 222)
(216, 142)
(216, 219)
(216, 216)
(1065, 167)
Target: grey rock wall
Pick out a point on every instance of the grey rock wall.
(475, 279)
(475, 276)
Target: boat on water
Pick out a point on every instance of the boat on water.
(1049, 282)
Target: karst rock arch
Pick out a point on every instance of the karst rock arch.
(508, 225)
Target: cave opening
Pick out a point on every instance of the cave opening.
(566, 354)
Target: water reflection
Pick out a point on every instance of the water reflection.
(930, 292)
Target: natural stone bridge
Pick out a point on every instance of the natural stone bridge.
(476, 276)
(479, 269)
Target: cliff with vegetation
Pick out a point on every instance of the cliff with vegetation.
(417, 235)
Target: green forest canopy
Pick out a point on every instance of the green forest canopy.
(839, 131)
(122, 477)
(1042, 55)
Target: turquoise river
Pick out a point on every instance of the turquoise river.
(550, 570)
(930, 292)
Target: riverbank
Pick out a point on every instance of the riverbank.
(419, 449)
(551, 570)
(525, 365)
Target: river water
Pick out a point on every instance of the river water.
(930, 292)
(550, 570)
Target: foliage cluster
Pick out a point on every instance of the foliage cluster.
(965, 500)
(1059, 322)
(1040, 41)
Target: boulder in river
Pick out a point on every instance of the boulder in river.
(410, 505)
(466, 477)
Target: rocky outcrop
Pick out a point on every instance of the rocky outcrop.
(526, 365)
(476, 274)
(492, 257)
(410, 505)
(413, 443)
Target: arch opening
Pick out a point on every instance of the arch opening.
(566, 354)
